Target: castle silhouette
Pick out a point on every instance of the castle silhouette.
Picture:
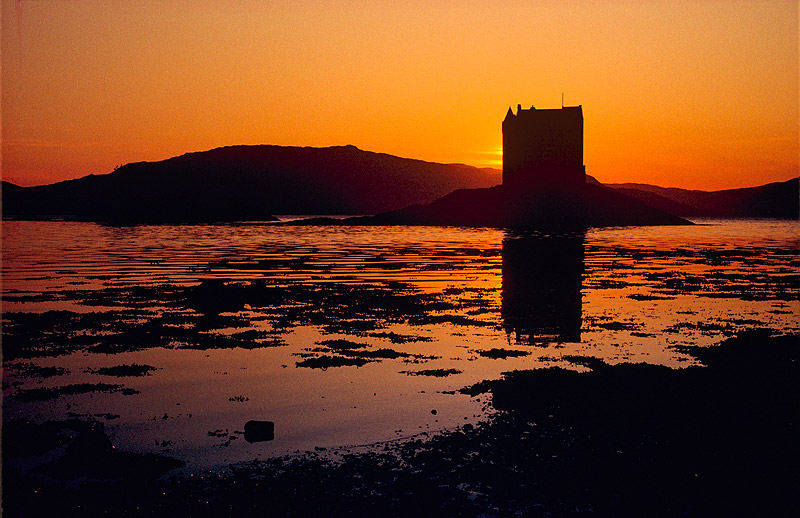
(543, 149)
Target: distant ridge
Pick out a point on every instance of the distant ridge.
(773, 200)
(247, 183)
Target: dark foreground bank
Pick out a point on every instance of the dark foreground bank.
(718, 439)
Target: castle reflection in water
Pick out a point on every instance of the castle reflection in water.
(541, 287)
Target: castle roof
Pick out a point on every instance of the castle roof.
(533, 111)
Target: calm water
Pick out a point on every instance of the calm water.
(346, 336)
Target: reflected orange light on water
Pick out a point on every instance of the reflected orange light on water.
(316, 328)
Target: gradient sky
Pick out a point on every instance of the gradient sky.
(675, 93)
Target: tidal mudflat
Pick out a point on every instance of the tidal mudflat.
(375, 352)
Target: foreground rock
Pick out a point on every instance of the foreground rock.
(46, 465)
(258, 431)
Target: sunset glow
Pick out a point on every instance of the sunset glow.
(699, 95)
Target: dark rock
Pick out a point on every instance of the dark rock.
(91, 454)
(25, 438)
(91, 446)
(257, 431)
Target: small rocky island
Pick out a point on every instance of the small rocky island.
(544, 185)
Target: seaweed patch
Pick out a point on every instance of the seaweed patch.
(48, 393)
(120, 371)
(438, 373)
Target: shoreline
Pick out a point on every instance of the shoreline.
(588, 446)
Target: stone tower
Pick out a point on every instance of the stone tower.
(543, 149)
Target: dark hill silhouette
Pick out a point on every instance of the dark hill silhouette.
(10, 187)
(773, 200)
(248, 183)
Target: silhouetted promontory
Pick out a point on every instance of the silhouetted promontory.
(248, 183)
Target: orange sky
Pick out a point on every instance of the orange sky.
(675, 93)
